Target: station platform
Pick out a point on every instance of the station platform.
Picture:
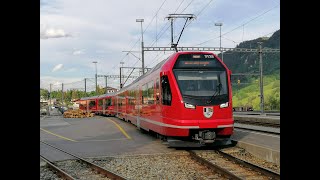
(263, 145)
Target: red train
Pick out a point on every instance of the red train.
(186, 99)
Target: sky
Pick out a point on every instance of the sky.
(75, 33)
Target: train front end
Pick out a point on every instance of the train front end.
(201, 103)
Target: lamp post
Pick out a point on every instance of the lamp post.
(96, 76)
(121, 73)
(142, 51)
(220, 24)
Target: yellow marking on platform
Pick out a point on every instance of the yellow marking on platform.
(120, 128)
(104, 140)
(57, 135)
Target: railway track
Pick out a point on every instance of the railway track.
(78, 168)
(232, 167)
(257, 123)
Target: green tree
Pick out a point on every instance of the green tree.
(44, 93)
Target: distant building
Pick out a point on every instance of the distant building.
(111, 89)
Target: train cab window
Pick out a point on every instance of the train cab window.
(166, 91)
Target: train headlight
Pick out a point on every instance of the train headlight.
(224, 105)
(190, 106)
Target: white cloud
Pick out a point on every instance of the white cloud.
(47, 33)
(57, 67)
(78, 52)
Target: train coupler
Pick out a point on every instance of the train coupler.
(205, 137)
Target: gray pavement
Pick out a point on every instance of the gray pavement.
(100, 136)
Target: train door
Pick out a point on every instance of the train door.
(166, 96)
(104, 106)
(117, 104)
(138, 101)
(87, 103)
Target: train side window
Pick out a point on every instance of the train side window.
(92, 103)
(100, 102)
(166, 91)
(108, 102)
(145, 94)
(150, 92)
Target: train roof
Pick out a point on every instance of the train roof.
(86, 98)
(106, 95)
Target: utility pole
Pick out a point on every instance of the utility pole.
(120, 79)
(106, 84)
(220, 24)
(142, 49)
(120, 74)
(62, 94)
(50, 94)
(85, 85)
(50, 100)
(95, 62)
(261, 80)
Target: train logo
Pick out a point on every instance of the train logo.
(207, 112)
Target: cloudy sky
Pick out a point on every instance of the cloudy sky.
(74, 33)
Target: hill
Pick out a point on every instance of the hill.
(247, 92)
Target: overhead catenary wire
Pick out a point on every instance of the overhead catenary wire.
(143, 31)
(198, 14)
(240, 25)
(168, 28)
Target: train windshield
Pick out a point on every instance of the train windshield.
(202, 81)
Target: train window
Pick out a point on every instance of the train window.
(108, 102)
(137, 93)
(100, 102)
(150, 92)
(145, 94)
(92, 103)
(123, 101)
(166, 91)
(131, 97)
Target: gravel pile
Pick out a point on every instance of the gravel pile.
(166, 166)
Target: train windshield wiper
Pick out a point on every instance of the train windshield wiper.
(192, 97)
(216, 93)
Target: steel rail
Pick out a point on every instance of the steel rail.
(97, 168)
(262, 170)
(214, 167)
(59, 171)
